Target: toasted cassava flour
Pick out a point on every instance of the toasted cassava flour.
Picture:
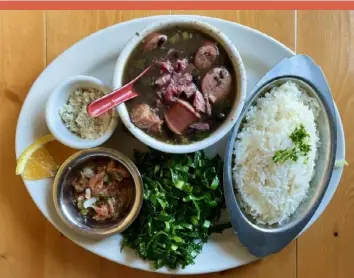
(74, 114)
(275, 153)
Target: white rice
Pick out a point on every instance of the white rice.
(271, 192)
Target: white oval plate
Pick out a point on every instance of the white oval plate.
(96, 56)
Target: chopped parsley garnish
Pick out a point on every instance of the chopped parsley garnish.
(298, 137)
(183, 197)
(84, 211)
(283, 155)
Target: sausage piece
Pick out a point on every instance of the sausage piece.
(153, 41)
(216, 84)
(180, 116)
(206, 56)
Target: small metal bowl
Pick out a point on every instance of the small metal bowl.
(262, 240)
(63, 194)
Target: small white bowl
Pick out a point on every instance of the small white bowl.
(59, 97)
(240, 86)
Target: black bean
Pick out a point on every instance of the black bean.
(161, 41)
(175, 54)
(219, 116)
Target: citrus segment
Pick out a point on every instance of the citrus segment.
(36, 162)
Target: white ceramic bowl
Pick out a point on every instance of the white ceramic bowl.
(240, 86)
(59, 97)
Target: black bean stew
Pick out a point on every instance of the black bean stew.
(189, 91)
(103, 190)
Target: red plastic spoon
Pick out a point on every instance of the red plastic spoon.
(107, 102)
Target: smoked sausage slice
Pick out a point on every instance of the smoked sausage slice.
(206, 56)
(216, 84)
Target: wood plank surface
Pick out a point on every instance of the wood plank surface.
(22, 228)
(31, 247)
(326, 250)
(65, 28)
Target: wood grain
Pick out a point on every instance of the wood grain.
(22, 50)
(66, 28)
(327, 248)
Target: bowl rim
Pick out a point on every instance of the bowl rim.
(138, 183)
(52, 108)
(240, 85)
(252, 101)
(275, 236)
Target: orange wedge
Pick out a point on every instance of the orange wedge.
(35, 162)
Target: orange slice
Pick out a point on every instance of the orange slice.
(35, 162)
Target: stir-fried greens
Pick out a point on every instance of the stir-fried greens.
(183, 197)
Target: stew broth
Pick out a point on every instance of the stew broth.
(198, 64)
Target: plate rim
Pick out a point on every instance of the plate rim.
(108, 29)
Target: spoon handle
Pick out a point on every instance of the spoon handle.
(107, 102)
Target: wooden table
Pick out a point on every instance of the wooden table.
(31, 247)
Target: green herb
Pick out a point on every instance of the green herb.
(198, 136)
(107, 179)
(185, 35)
(80, 204)
(183, 198)
(341, 163)
(299, 134)
(298, 137)
(174, 39)
(84, 211)
(283, 155)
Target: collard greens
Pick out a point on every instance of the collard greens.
(183, 197)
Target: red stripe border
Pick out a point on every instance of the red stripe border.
(180, 5)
